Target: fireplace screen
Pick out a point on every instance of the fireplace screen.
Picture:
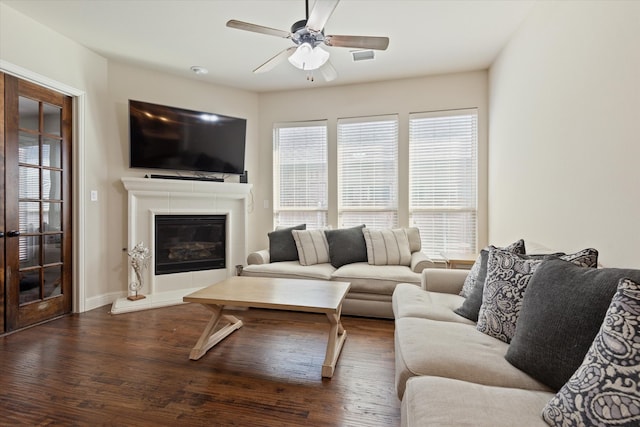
(189, 243)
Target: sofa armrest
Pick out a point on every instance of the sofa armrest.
(443, 280)
(259, 257)
(420, 261)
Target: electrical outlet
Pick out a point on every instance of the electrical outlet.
(94, 195)
(266, 204)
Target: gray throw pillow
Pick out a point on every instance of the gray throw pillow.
(604, 389)
(560, 316)
(282, 246)
(346, 246)
(471, 305)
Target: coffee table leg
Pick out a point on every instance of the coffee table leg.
(210, 336)
(337, 335)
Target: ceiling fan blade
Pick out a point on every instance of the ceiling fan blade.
(321, 13)
(246, 26)
(275, 60)
(359, 42)
(328, 72)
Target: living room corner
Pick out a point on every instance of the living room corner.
(557, 108)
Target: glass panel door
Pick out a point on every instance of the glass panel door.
(38, 241)
(2, 145)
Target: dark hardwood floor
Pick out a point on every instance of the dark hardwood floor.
(133, 369)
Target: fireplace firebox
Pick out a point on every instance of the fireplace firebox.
(189, 243)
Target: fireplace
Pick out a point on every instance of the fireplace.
(151, 198)
(189, 243)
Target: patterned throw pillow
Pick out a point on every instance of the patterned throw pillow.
(480, 266)
(507, 278)
(508, 275)
(312, 245)
(604, 390)
(387, 246)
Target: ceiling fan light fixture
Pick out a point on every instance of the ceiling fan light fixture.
(307, 58)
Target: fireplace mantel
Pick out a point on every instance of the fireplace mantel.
(148, 197)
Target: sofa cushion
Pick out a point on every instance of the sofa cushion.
(412, 301)
(346, 246)
(290, 270)
(375, 279)
(387, 246)
(508, 276)
(454, 350)
(604, 389)
(561, 314)
(312, 246)
(446, 402)
(479, 269)
(282, 247)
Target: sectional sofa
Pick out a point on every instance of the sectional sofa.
(373, 261)
(572, 359)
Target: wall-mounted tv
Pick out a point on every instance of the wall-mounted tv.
(171, 138)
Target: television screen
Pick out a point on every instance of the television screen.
(172, 138)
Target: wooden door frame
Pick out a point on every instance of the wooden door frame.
(2, 185)
(78, 209)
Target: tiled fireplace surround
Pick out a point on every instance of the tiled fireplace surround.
(148, 197)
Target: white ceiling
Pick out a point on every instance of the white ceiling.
(426, 36)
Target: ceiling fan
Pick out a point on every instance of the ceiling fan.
(308, 35)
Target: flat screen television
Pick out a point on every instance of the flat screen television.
(171, 138)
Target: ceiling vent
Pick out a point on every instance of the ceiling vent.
(362, 55)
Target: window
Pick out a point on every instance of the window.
(300, 174)
(443, 180)
(368, 172)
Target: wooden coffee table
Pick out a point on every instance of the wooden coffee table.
(312, 296)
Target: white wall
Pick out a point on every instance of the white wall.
(444, 92)
(31, 46)
(126, 82)
(563, 131)
(28, 45)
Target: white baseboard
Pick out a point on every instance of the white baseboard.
(157, 300)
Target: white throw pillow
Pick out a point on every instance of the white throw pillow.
(312, 245)
(387, 246)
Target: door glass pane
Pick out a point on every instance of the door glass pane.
(29, 286)
(51, 184)
(52, 247)
(52, 281)
(29, 113)
(28, 150)
(52, 216)
(29, 217)
(51, 154)
(51, 119)
(29, 251)
(29, 186)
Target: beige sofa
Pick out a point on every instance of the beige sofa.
(371, 285)
(450, 374)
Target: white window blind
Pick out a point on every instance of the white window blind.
(443, 158)
(368, 172)
(300, 174)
